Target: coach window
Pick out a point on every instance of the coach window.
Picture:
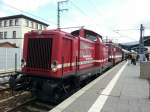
(1, 35)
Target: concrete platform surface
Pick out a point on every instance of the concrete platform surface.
(119, 90)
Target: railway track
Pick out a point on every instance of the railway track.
(19, 105)
(24, 102)
(4, 77)
(6, 74)
(32, 105)
(5, 91)
(10, 102)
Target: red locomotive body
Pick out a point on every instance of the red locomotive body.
(58, 54)
(55, 61)
(114, 52)
(49, 53)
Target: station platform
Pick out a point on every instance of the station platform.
(118, 90)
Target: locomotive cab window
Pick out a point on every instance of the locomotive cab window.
(91, 37)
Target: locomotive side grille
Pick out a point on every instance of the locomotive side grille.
(39, 53)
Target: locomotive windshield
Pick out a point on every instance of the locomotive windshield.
(87, 34)
(91, 37)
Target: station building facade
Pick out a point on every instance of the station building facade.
(13, 28)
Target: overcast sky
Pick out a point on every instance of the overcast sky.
(115, 19)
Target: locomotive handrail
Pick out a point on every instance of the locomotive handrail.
(62, 66)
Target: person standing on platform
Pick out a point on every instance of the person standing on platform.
(129, 58)
(147, 56)
(137, 57)
(133, 59)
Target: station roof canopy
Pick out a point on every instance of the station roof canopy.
(135, 45)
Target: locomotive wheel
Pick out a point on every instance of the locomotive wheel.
(77, 83)
(58, 95)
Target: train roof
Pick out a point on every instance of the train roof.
(48, 31)
(77, 32)
(89, 34)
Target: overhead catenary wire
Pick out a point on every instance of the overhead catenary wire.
(95, 7)
(25, 12)
(78, 8)
(125, 29)
(72, 27)
(83, 12)
(116, 31)
(122, 35)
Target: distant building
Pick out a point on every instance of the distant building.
(7, 45)
(13, 28)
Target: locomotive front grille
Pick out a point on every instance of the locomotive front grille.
(39, 53)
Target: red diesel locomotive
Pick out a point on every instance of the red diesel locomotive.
(54, 61)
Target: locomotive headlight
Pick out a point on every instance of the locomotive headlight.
(23, 63)
(54, 66)
(54, 69)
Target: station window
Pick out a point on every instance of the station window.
(27, 23)
(14, 34)
(44, 27)
(1, 35)
(36, 25)
(5, 23)
(40, 27)
(5, 35)
(11, 22)
(0, 23)
(16, 22)
(32, 25)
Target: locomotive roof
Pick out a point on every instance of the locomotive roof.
(76, 32)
